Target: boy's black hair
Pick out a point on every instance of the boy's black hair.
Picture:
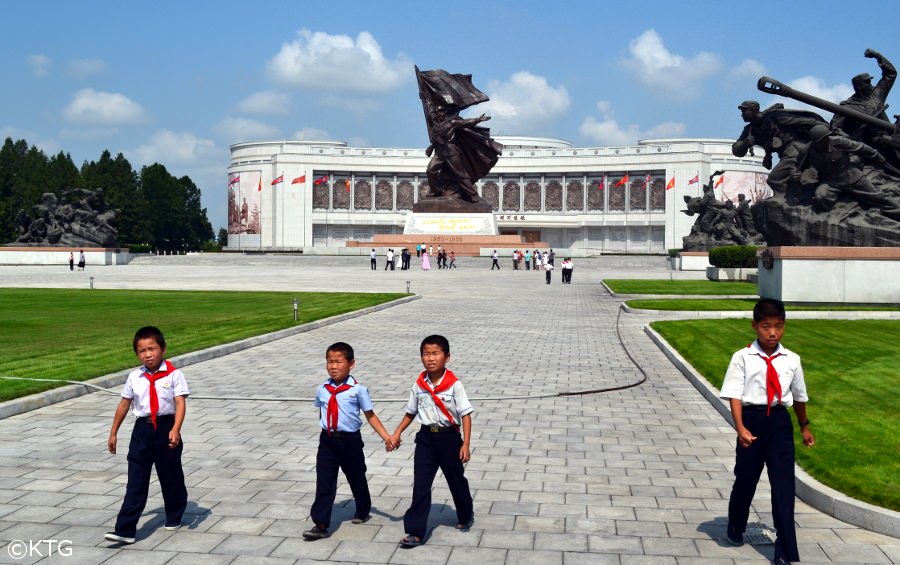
(149, 332)
(340, 347)
(768, 308)
(438, 340)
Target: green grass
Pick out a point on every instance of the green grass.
(740, 304)
(80, 334)
(662, 286)
(851, 369)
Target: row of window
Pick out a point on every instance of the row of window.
(634, 192)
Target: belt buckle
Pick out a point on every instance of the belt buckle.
(434, 429)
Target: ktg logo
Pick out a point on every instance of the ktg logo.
(18, 549)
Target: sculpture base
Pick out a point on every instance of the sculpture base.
(450, 224)
(451, 205)
(847, 225)
(34, 255)
(853, 275)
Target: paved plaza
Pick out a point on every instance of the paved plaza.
(635, 476)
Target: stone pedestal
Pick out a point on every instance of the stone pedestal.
(693, 260)
(34, 255)
(853, 275)
(450, 224)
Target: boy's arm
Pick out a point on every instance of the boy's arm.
(745, 438)
(464, 453)
(376, 424)
(118, 418)
(175, 433)
(800, 411)
(404, 423)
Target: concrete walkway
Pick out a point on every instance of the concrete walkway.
(629, 477)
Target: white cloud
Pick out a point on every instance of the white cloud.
(523, 102)
(40, 65)
(89, 106)
(607, 131)
(243, 129)
(166, 146)
(310, 134)
(747, 69)
(665, 72)
(84, 68)
(338, 62)
(266, 102)
(88, 132)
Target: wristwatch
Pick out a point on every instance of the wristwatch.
(803, 423)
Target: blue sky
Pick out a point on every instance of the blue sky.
(178, 82)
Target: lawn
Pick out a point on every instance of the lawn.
(80, 334)
(663, 286)
(740, 304)
(851, 370)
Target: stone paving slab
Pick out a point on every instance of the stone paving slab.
(639, 475)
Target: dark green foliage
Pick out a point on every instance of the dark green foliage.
(674, 252)
(138, 248)
(733, 256)
(153, 208)
(222, 237)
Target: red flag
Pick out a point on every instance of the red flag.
(299, 180)
(647, 179)
(694, 180)
(671, 184)
(235, 180)
(278, 180)
(347, 184)
(321, 180)
(259, 186)
(599, 185)
(719, 181)
(622, 182)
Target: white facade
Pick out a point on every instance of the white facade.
(544, 189)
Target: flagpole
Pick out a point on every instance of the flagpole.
(281, 221)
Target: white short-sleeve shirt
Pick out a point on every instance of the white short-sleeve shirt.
(746, 376)
(137, 390)
(426, 411)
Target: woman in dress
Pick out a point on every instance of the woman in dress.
(426, 264)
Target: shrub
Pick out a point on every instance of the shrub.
(138, 247)
(674, 252)
(733, 256)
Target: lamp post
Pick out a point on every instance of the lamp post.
(407, 286)
(296, 304)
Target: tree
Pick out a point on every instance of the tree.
(222, 238)
(122, 193)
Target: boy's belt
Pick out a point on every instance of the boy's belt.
(341, 434)
(762, 407)
(438, 429)
(159, 418)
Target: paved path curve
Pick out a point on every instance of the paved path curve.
(630, 477)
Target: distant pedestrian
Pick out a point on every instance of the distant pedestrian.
(551, 257)
(537, 260)
(418, 251)
(372, 260)
(405, 256)
(389, 263)
(81, 260)
(495, 258)
(548, 268)
(452, 260)
(71, 261)
(527, 259)
(567, 268)
(426, 264)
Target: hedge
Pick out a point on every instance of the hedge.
(733, 256)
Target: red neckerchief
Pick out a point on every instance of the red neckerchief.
(447, 381)
(331, 412)
(154, 399)
(773, 385)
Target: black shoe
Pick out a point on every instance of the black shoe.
(358, 520)
(468, 525)
(735, 539)
(315, 533)
(781, 561)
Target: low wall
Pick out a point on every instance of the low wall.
(693, 260)
(730, 274)
(94, 256)
(854, 275)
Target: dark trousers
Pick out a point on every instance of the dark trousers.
(374, 264)
(495, 264)
(566, 276)
(150, 447)
(548, 275)
(342, 451)
(436, 450)
(774, 448)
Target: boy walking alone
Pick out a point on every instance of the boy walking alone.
(762, 380)
(439, 403)
(155, 393)
(339, 400)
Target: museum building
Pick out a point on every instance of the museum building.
(316, 196)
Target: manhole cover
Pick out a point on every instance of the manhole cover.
(759, 534)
